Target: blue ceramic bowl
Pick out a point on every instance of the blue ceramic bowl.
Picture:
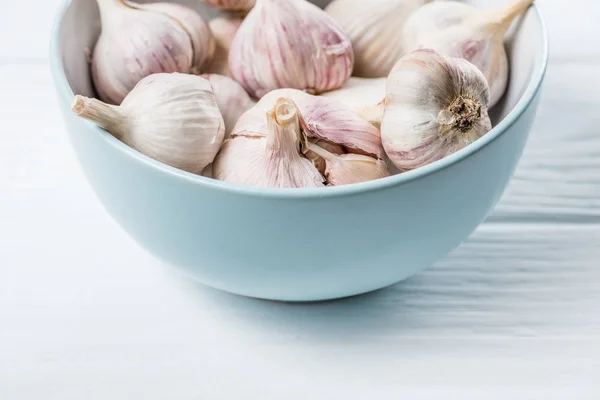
(303, 244)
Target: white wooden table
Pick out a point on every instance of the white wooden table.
(512, 314)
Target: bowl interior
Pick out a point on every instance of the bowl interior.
(80, 28)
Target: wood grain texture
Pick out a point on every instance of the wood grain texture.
(511, 314)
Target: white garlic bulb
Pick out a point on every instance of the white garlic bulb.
(203, 42)
(290, 44)
(139, 40)
(434, 106)
(231, 5)
(231, 97)
(363, 96)
(375, 29)
(271, 158)
(223, 30)
(460, 30)
(172, 118)
(340, 145)
(322, 119)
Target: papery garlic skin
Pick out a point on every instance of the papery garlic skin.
(363, 96)
(203, 42)
(231, 97)
(460, 30)
(223, 30)
(172, 118)
(270, 158)
(137, 42)
(434, 107)
(345, 169)
(230, 5)
(375, 29)
(290, 44)
(322, 118)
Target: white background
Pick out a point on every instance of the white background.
(512, 314)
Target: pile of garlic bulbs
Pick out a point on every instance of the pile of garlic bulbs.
(265, 95)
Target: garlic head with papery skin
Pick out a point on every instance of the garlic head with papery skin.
(231, 5)
(172, 118)
(342, 147)
(271, 158)
(140, 40)
(231, 97)
(460, 30)
(434, 106)
(223, 30)
(290, 44)
(203, 42)
(375, 29)
(322, 119)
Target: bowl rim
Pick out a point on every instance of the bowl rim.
(66, 95)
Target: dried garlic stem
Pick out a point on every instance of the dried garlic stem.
(504, 15)
(105, 115)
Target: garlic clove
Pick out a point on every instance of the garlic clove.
(318, 161)
(460, 30)
(322, 118)
(223, 30)
(203, 42)
(345, 169)
(231, 97)
(434, 107)
(375, 29)
(290, 44)
(363, 96)
(231, 5)
(172, 118)
(273, 160)
(136, 42)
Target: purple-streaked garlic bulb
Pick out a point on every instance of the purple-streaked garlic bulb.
(272, 159)
(375, 29)
(290, 44)
(172, 118)
(342, 147)
(434, 106)
(223, 30)
(139, 40)
(457, 29)
(231, 97)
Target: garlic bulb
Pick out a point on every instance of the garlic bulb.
(231, 5)
(231, 97)
(273, 159)
(139, 40)
(363, 96)
(461, 30)
(203, 42)
(173, 118)
(341, 147)
(290, 44)
(322, 119)
(223, 30)
(434, 106)
(375, 29)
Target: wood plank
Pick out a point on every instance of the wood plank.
(557, 178)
